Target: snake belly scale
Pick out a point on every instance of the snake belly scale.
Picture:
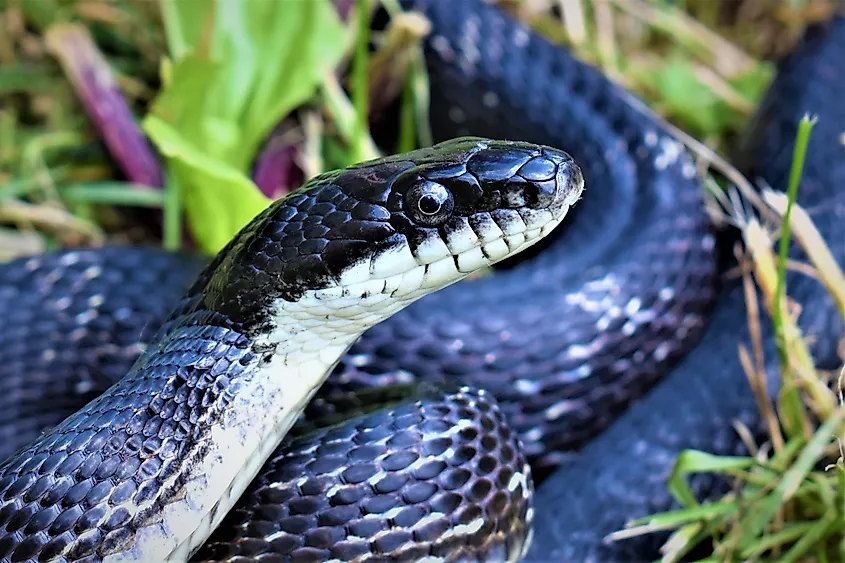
(146, 470)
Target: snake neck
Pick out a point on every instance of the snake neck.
(265, 390)
(245, 392)
(146, 471)
(233, 406)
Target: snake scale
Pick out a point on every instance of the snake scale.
(558, 351)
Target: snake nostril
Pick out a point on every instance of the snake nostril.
(539, 195)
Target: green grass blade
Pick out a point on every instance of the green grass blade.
(765, 511)
(112, 193)
(810, 538)
(787, 535)
(172, 229)
(802, 139)
(675, 518)
(694, 461)
(19, 187)
(361, 90)
(407, 126)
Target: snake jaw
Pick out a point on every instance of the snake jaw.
(490, 200)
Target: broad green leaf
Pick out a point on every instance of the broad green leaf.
(259, 60)
(184, 22)
(238, 68)
(227, 200)
(198, 118)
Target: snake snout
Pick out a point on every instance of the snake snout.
(547, 181)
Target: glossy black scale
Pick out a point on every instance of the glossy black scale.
(381, 471)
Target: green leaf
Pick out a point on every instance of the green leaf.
(249, 63)
(239, 67)
(695, 461)
(223, 200)
(184, 22)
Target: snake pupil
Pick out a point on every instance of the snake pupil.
(430, 204)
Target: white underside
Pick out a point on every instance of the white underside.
(254, 424)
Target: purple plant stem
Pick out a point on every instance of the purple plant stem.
(275, 171)
(343, 8)
(94, 83)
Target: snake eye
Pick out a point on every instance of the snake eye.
(429, 203)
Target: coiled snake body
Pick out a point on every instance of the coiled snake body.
(564, 340)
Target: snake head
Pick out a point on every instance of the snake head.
(479, 201)
(394, 229)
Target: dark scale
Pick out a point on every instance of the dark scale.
(392, 490)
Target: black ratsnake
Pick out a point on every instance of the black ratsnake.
(565, 340)
(149, 468)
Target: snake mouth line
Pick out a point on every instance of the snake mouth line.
(425, 271)
(404, 265)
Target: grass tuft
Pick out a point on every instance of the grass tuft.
(787, 502)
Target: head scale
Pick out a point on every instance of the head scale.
(397, 227)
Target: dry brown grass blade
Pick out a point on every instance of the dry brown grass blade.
(827, 270)
(390, 64)
(801, 364)
(311, 157)
(755, 370)
(709, 158)
(14, 244)
(606, 39)
(50, 218)
(723, 89)
(725, 57)
(574, 20)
